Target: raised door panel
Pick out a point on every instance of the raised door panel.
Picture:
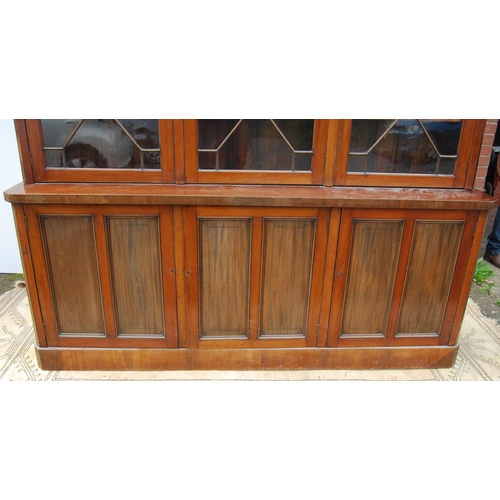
(286, 276)
(370, 277)
(224, 277)
(430, 272)
(70, 255)
(136, 277)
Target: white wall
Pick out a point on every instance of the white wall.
(10, 174)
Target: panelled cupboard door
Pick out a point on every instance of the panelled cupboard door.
(127, 150)
(398, 276)
(255, 151)
(105, 274)
(254, 276)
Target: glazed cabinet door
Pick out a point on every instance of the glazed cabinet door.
(105, 275)
(255, 151)
(254, 276)
(408, 153)
(127, 150)
(399, 276)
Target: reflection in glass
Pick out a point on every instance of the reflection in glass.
(404, 146)
(101, 143)
(255, 144)
(57, 132)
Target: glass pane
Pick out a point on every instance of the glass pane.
(53, 158)
(405, 147)
(445, 134)
(357, 163)
(299, 133)
(365, 133)
(151, 159)
(56, 132)
(303, 162)
(211, 133)
(207, 161)
(101, 144)
(447, 166)
(144, 132)
(255, 144)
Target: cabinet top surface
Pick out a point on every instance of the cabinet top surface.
(279, 196)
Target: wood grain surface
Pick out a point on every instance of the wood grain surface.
(370, 277)
(246, 359)
(72, 265)
(134, 256)
(263, 196)
(224, 277)
(286, 276)
(430, 271)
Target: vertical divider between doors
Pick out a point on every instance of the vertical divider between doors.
(339, 277)
(317, 276)
(191, 276)
(400, 280)
(105, 275)
(341, 159)
(166, 131)
(255, 278)
(180, 269)
(331, 151)
(168, 277)
(179, 152)
(331, 257)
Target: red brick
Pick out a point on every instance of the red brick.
(488, 139)
(490, 128)
(486, 150)
(484, 161)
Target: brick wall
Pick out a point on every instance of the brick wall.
(484, 155)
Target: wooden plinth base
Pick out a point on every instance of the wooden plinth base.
(247, 359)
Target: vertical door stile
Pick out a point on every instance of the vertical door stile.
(104, 275)
(167, 260)
(180, 269)
(191, 276)
(329, 269)
(317, 276)
(339, 278)
(404, 255)
(255, 277)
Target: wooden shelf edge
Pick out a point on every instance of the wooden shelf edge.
(271, 196)
(247, 359)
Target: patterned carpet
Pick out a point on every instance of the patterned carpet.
(478, 357)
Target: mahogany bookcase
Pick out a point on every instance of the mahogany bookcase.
(248, 244)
